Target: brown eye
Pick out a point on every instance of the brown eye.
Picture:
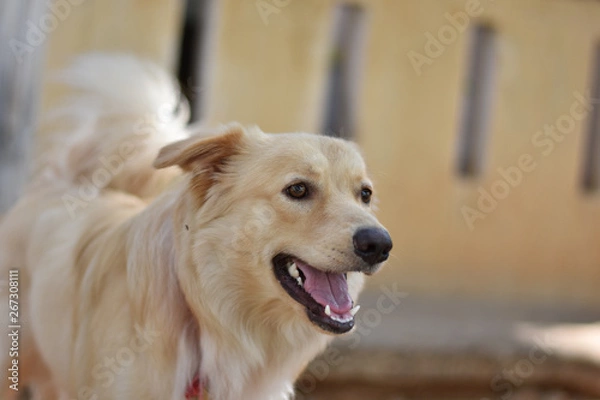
(297, 191)
(365, 195)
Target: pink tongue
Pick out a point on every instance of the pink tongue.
(327, 288)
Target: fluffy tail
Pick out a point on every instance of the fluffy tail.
(122, 110)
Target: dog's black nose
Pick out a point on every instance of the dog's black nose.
(373, 245)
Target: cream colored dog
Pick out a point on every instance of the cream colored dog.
(226, 268)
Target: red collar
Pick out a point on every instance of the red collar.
(195, 389)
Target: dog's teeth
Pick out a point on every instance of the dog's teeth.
(328, 310)
(343, 320)
(299, 280)
(293, 271)
(354, 310)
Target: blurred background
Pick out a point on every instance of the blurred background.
(480, 122)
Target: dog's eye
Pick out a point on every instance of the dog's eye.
(297, 191)
(365, 195)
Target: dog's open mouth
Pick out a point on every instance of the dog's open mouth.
(324, 294)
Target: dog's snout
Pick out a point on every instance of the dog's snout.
(373, 245)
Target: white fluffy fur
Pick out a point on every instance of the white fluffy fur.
(173, 267)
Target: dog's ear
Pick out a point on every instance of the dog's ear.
(200, 152)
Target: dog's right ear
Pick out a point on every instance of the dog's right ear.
(201, 153)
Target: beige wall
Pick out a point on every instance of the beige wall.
(541, 243)
(148, 28)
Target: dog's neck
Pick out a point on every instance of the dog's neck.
(156, 294)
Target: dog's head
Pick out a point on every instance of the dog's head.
(283, 222)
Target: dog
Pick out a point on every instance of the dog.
(160, 260)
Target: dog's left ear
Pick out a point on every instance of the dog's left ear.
(200, 152)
